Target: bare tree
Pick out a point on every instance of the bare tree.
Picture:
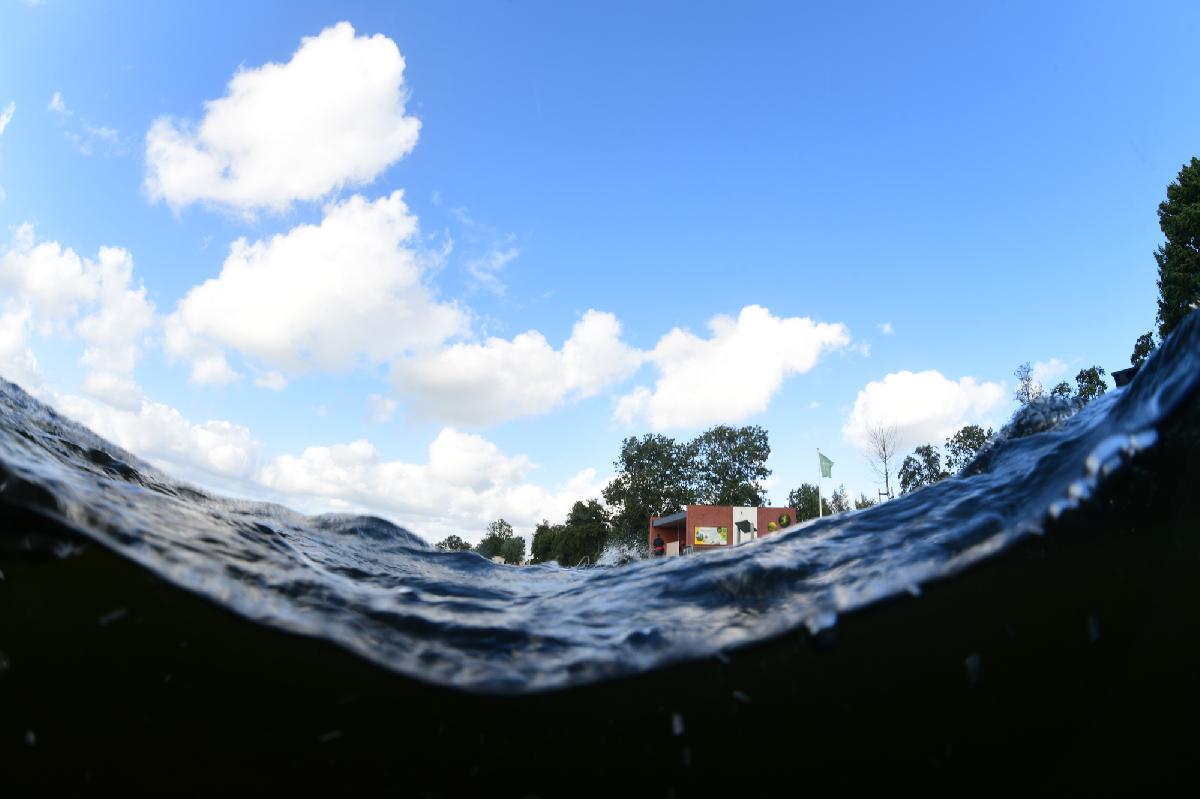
(881, 443)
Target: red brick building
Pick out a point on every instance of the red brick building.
(705, 526)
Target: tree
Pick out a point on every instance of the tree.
(922, 468)
(1028, 389)
(1090, 383)
(1179, 257)
(1142, 349)
(498, 533)
(966, 444)
(513, 550)
(545, 542)
(881, 451)
(655, 476)
(804, 500)
(863, 502)
(731, 465)
(839, 502)
(1062, 390)
(578, 542)
(453, 543)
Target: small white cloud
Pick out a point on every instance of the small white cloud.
(332, 116)
(275, 381)
(58, 106)
(380, 408)
(6, 116)
(3, 194)
(213, 370)
(486, 270)
(1044, 373)
(731, 375)
(501, 379)
(925, 407)
(886, 329)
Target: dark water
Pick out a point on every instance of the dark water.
(456, 619)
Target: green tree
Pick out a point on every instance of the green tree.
(584, 535)
(1090, 383)
(1062, 390)
(839, 502)
(545, 542)
(498, 533)
(1142, 349)
(966, 444)
(863, 502)
(513, 550)
(1179, 257)
(655, 476)
(922, 468)
(804, 500)
(453, 543)
(731, 465)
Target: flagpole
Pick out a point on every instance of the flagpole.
(820, 510)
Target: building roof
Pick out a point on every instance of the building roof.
(673, 519)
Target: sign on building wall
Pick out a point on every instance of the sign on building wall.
(745, 523)
(712, 536)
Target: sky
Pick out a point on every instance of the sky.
(434, 261)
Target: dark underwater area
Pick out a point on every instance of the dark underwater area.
(1029, 625)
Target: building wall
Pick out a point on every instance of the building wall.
(768, 515)
(714, 516)
(708, 516)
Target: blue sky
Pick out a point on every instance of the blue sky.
(891, 208)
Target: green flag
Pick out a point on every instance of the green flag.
(826, 466)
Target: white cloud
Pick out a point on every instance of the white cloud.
(319, 297)
(113, 332)
(3, 194)
(1045, 372)
(466, 482)
(50, 286)
(214, 453)
(925, 407)
(330, 117)
(6, 115)
(380, 408)
(886, 329)
(486, 270)
(275, 381)
(731, 375)
(500, 379)
(17, 361)
(58, 105)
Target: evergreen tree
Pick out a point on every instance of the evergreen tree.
(1179, 257)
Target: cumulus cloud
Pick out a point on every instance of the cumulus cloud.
(6, 116)
(50, 286)
(755, 349)
(214, 453)
(17, 361)
(319, 297)
(925, 407)
(465, 482)
(331, 116)
(886, 329)
(503, 379)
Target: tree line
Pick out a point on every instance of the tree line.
(656, 475)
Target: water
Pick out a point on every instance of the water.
(458, 620)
